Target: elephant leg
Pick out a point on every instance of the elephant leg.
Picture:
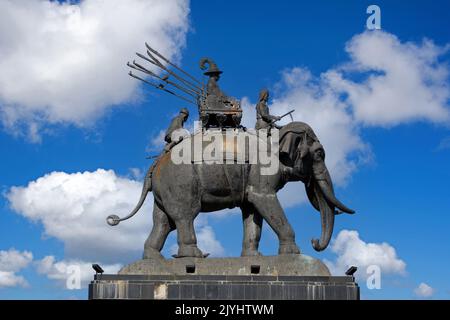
(162, 225)
(270, 209)
(252, 230)
(187, 241)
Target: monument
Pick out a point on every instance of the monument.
(231, 176)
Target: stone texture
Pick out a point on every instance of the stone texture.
(286, 265)
(285, 277)
(226, 288)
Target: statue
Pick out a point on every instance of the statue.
(263, 118)
(182, 191)
(213, 72)
(218, 167)
(216, 108)
(176, 124)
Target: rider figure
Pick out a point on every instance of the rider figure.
(213, 72)
(176, 124)
(264, 120)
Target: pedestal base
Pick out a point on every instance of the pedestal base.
(282, 277)
(286, 265)
(223, 287)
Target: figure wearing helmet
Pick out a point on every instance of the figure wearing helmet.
(264, 120)
(176, 124)
(213, 72)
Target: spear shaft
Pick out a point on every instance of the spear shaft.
(138, 67)
(161, 87)
(159, 64)
(172, 64)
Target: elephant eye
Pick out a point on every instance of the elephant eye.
(320, 153)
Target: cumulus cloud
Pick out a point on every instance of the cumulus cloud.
(65, 62)
(136, 173)
(156, 142)
(208, 243)
(73, 208)
(320, 107)
(11, 262)
(206, 237)
(353, 251)
(401, 82)
(404, 81)
(424, 291)
(70, 273)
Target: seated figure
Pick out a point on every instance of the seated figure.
(215, 107)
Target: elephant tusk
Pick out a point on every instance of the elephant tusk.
(331, 198)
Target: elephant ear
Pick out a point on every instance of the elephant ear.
(288, 148)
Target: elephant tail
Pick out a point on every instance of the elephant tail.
(114, 220)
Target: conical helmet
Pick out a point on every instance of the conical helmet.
(213, 69)
(185, 111)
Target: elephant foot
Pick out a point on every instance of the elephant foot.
(189, 251)
(250, 253)
(150, 253)
(288, 248)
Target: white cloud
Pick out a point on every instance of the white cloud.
(65, 62)
(10, 279)
(405, 81)
(320, 107)
(11, 262)
(402, 82)
(206, 237)
(208, 243)
(62, 271)
(352, 251)
(424, 291)
(157, 142)
(136, 173)
(73, 208)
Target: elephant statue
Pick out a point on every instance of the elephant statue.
(182, 191)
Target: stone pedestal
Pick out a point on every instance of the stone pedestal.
(286, 277)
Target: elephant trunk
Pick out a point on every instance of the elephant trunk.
(114, 220)
(327, 220)
(322, 193)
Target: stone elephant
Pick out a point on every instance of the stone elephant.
(182, 191)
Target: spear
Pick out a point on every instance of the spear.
(161, 87)
(139, 67)
(172, 64)
(284, 115)
(159, 64)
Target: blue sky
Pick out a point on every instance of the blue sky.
(66, 109)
